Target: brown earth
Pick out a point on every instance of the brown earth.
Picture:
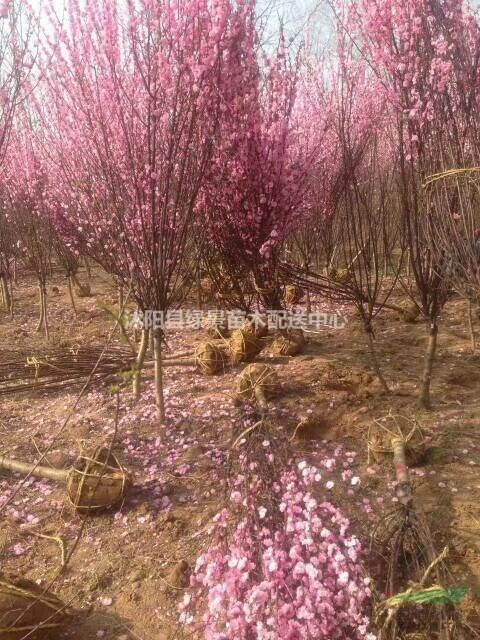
(129, 567)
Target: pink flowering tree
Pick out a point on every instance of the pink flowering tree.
(24, 204)
(17, 53)
(259, 171)
(131, 108)
(419, 49)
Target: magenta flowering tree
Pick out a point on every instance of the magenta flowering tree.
(259, 171)
(25, 207)
(17, 28)
(425, 53)
(17, 53)
(131, 108)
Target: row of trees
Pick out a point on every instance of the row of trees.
(161, 133)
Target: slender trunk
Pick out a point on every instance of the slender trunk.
(70, 292)
(404, 488)
(309, 303)
(10, 296)
(137, 375)
(374, 359)
(408, 263)
(151, 345)
(87, 269)
(261, 399)
(5, 290)
(120, 298)
(41, 315)
(45, 317)
(199, 290)
(157, 344)
(424, 396)
(471, 327)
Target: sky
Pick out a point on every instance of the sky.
(304, 17)
(295, 15)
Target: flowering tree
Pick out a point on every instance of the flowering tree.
(24, 203)
(259, 172)
(414, 47)
(16, 61)
(132, 114)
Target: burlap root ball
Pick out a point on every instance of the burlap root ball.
(97, 482)
(288, 343)
(256, 381)
(210, 358)
(409, 311)
(293, 294)
(244, 346)
(380, 445)
(343, 276)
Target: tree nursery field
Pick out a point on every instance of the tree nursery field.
(239, 320)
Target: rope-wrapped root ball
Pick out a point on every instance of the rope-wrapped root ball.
(342, 276)
(98, 482)
(256, 384)
(409, 311)
(293, 294)
(407, 429)
(27, 610)
(244, 346)
(210, 358)
(94, 482)
(288, 343)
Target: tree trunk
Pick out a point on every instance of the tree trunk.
(70, 292)
(137, 375)
(7, 302)
(120, 298)
(41, 315)
(87, 269)
(471, 327)
(157, 345)
(45, 317)
(199, 290)
(309, 304)
(43, 320)
(424, 396)
(374, 359)
(37, 470)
